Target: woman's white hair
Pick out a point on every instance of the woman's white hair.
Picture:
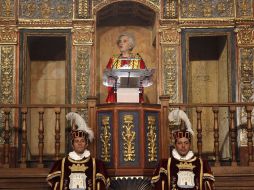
(130, 37)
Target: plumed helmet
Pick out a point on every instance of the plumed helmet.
(178, 115)
(82, 129)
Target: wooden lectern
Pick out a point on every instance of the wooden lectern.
(128, 132)
(128, 138)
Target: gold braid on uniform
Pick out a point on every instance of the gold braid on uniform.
(54, 174)
(208, 176)
(101, 177)
(157, 177)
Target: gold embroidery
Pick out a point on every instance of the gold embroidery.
(78, 168)
(185, 166)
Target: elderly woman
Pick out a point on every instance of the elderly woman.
(126, 59)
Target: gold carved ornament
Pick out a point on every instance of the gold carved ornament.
(83, 35)
(105, 139)
(207, 10)
(8, 34)
(78, 168)
(246, 57)
(189, 10)
(170, 72)
(245, 36)
(170, 36)
(245, 8)
(170, 9)
(7, 82)
(82, 74)
(81, 80)
(6, 69)
(193, 9)
(83, 8)
(128, 136)
(7, 8)
(246, 72)
(152, 138)
(45, 9)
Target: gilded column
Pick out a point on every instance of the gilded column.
(245, 42)
(170, 41)
(81, 67)
(8, 43)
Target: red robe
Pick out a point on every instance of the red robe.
(167, 173)
(116, 62)
(93, 170)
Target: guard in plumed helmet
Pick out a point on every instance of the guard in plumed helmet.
(78, 170)
(183, 170)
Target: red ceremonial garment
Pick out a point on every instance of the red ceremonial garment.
(191, 174)
(88, 173)
(116, 62)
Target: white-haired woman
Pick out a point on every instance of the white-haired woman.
(125, 60)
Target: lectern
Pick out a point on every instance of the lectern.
(128, 83)
(128, 138)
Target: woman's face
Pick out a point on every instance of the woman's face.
(123, 44)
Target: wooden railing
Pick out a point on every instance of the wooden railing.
(19, 115)
(15, 118)
(233, 121)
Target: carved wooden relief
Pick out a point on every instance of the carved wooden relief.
(206, 9)
(7, 9)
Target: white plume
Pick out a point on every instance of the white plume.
(80, 122)
(177, 115)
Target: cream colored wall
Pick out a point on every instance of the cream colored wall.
(208, 83)
(204, 89)
(47, 87)
(106, 47)
(224, 96)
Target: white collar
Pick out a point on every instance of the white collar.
(177, 156)
(73, 155)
